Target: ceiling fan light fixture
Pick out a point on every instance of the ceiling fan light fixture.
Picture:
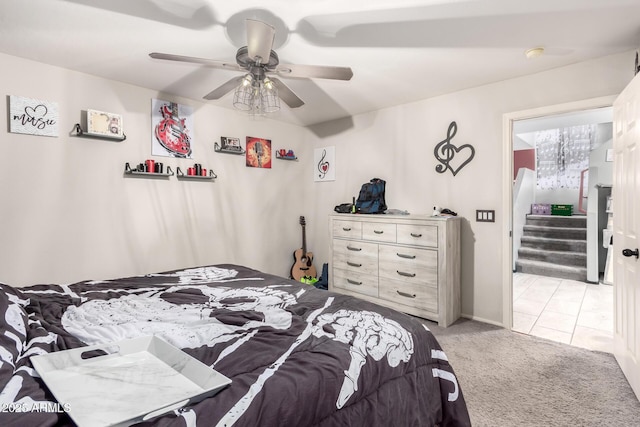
(256, 97)
(269, 98)
(247, 80)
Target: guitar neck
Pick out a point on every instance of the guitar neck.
(304, 242)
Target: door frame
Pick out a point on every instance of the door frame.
(507, 186)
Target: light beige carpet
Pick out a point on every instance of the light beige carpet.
(510, 379)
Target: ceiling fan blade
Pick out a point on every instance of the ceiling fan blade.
(259, 40)
(286, 94)
(194, 60)
(315, 71)
(225, 88)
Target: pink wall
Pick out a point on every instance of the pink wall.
(523, 159)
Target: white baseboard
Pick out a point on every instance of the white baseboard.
(480, 319)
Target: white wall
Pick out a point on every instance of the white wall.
(68, 213)
(397, 144)
(524, 191)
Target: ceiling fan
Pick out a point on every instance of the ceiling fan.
(260, 63)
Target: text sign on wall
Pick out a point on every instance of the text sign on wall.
(33, 116)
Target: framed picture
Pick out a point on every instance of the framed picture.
(324, 160)
(171, 129)
(229, 145)
(258, 152)
(33, 116)
(101, 123)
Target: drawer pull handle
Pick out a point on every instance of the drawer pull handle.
(351, 248)
(402, 273)
(404, 294)
(353, 282)
(405, 256)
(378, 231)
(346, 228)
(416, 234)
(353, 264)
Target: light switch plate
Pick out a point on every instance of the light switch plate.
(485, 216)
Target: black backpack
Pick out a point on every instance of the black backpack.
(371, 197)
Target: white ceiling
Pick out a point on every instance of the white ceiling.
(400, 50)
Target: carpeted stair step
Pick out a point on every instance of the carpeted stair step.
(572, 233)
(547, 244)
(552, 270)
(579, 221)
(578, 259)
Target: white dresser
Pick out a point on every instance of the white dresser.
(407, 262)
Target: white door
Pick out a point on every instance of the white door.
(626, 238)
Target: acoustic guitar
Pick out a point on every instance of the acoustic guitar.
(303, 260)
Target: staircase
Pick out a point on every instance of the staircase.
(554, 246)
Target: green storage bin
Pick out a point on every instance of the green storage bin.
(562, 210)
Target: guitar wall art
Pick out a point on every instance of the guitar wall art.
(172, 129)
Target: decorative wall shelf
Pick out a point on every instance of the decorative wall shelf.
(129, 171)
(218, 149)
(211, 176)
(278, 156)
(83, 134)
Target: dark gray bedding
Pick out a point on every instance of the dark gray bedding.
(296, 355)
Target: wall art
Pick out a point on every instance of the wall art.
(100, 123)
(324, 161)
(33, 116)
(452, 158)
(171, 129)
(258, 152)
(228, 145)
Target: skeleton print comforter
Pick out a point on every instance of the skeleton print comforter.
(297, 356)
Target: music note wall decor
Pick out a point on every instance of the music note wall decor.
(445, 152)
(324, 164)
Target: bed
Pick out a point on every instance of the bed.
(296, 355)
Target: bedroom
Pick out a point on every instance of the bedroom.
(69, 213)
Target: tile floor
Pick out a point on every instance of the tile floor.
(567, 311)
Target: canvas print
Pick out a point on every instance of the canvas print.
(172, 129)
(101, 123)
(324, 160)
(258, 152)
(33, 116)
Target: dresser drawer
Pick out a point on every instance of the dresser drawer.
(418, 235)
(411, 265)
(379, 232)
(355, 256)
(355, 281)
(412, 295)
(346, 228)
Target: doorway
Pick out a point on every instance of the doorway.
(551, 296)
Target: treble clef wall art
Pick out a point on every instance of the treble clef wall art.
(324, 159)
(445, 151)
